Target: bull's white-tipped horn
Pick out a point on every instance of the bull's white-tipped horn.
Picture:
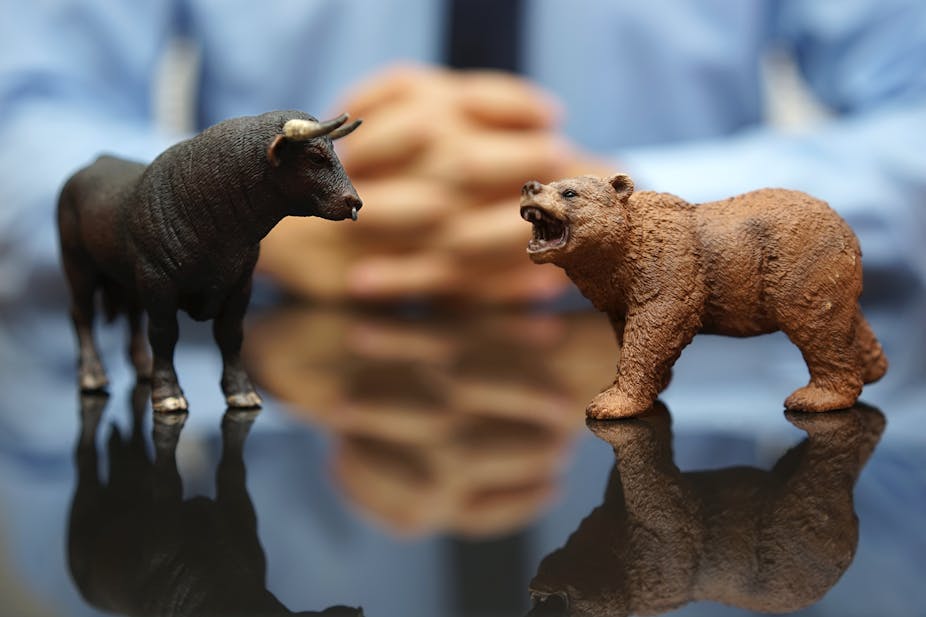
(346, 129)
(302, 130)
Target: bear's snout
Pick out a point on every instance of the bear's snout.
(531, 187)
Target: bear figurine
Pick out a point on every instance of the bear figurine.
(663, 269)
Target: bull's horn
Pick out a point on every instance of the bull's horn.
(303, 130)
(346, 129)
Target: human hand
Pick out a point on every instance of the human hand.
(439, 163)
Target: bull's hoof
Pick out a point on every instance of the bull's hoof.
(93, 380)
(244, 400)
(169, 404)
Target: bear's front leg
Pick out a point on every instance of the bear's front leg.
(653, 337)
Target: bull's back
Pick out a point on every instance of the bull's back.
(89, 212)
(769, 247)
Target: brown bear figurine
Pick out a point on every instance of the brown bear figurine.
(663, 269)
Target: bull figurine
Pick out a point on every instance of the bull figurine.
(184, 233)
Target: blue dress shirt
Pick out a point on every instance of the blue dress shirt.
(671, 90)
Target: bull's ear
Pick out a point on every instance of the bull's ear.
(273, 150)
(622, 185)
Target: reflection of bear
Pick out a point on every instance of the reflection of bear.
(135, 547)
(771, 541)
(663, 270)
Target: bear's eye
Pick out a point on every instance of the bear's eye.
(569, 194)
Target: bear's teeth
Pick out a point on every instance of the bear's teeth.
(531, 214)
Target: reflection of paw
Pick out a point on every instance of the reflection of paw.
(822, 423)
(244, 400)
(815, 398)
(654, 423)
(613, 404)
(168, 404)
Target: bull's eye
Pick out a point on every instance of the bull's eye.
(569, 194)
(316, 158)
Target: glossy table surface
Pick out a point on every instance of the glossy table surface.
(424, 465)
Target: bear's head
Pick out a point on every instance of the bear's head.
(572, 215)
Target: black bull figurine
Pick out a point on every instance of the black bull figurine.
(184, 233)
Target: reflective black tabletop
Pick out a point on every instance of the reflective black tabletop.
(441, 464)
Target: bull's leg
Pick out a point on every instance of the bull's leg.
(138, 343)
(654, 336)
(166, 395)
(227, 328)
(231, 494)
(83, 280)
(168, 486)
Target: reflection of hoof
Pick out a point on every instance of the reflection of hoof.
(235, 414)
(92, 403)
(166, 431)
(93, 380)
(169, 404)
(613, 404)
(814, 398)
(244, 400)
(170, 418)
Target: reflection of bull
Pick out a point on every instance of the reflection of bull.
(135, 547)
(769, 541)
(184, 233)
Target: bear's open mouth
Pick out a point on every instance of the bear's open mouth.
(549, 231)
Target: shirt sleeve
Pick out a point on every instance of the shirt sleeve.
(866, 61)
(75, 81)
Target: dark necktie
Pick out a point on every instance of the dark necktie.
(489, 577)
(484, 34)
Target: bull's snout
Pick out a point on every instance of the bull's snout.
(352, 203)
(531, 187)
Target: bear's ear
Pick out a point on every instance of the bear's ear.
(622, 185)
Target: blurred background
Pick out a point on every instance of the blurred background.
(424, 380)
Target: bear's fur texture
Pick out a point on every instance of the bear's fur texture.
(663, 269)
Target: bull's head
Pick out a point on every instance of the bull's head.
(309, 172)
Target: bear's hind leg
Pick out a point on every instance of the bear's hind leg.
(871, 356)
(828, 344)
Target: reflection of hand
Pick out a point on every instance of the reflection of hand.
(439, 164)
(439, 425)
